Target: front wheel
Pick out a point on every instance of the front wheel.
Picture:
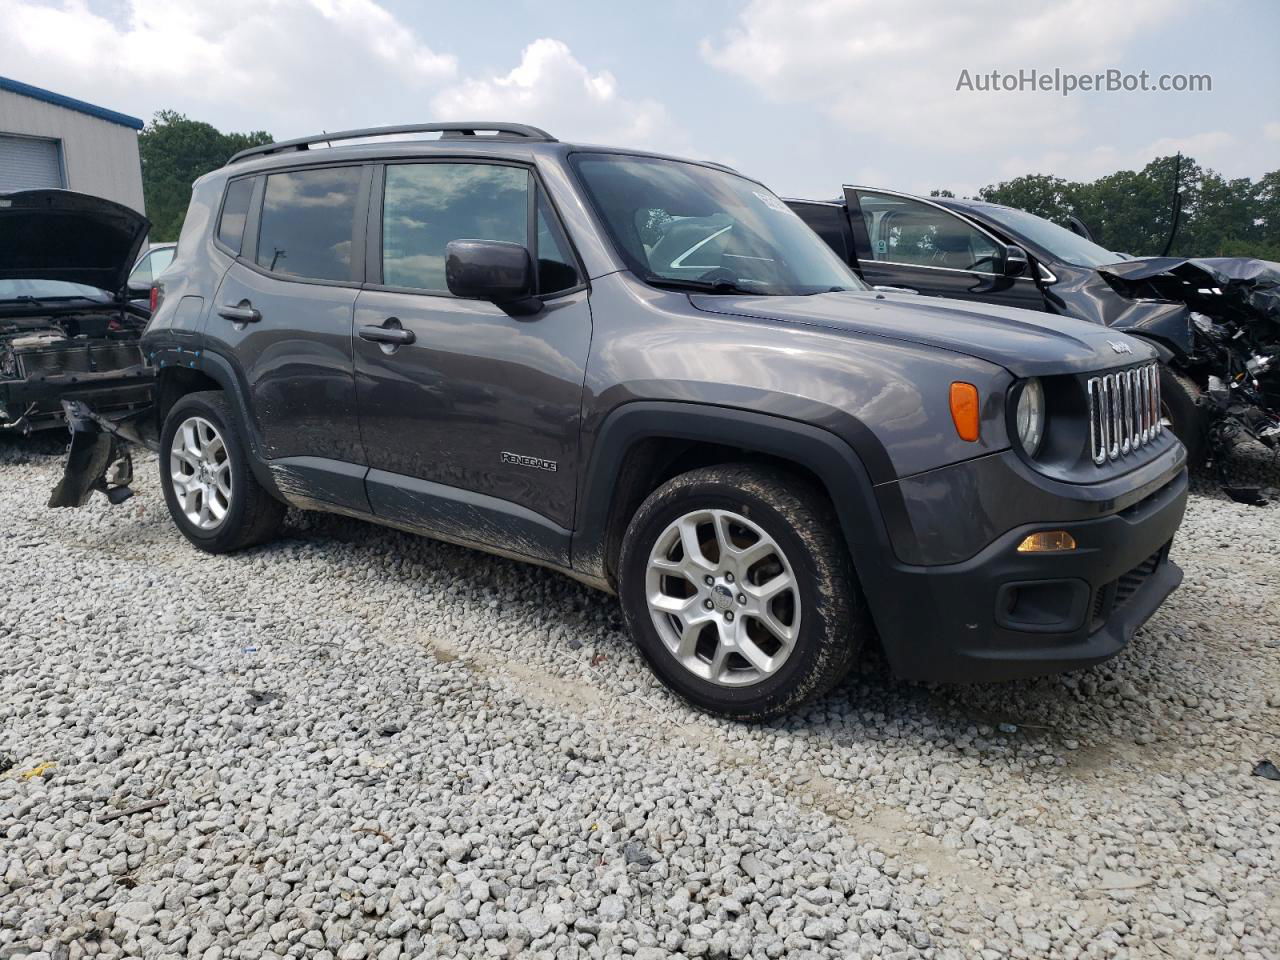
(1182, 407)
(211, 493)
(739, 592)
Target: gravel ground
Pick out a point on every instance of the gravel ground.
(371, 745)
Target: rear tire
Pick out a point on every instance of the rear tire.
(1182, 404)
(738, 590)
(211, 493)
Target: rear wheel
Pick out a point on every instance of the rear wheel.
(1182, 407)
(211, 493)
(739, 592)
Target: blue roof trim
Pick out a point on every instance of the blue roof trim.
(48, 96)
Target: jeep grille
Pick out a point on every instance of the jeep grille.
(1124, 412)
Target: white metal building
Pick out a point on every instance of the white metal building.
(48, 140)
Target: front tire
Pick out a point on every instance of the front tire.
(1182, 405)
(739, 592)
(209, 489)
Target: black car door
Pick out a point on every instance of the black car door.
(902, 241)
(471, 419)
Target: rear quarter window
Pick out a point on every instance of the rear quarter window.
(235, 210)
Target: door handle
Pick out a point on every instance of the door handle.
(242, 312)
(395, 336)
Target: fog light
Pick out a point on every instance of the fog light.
(1047, 541)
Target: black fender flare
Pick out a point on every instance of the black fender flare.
(224, 373)
(827, 456)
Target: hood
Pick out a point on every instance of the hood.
(1240, 288)
(1027, 343)
(60, 235)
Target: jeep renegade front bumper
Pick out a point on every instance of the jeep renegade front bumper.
(1003, 614)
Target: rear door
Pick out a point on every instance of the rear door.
(902, 241)
(284, 309)
(472, 427)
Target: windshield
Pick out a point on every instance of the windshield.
(49, 290)
(1058, 241)
(685, 225)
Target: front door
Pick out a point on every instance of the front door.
(471, 426)
(906, 242)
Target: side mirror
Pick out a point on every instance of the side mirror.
(1015, 261)
(492, 270)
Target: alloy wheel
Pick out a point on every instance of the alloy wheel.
(200, 469)
(723, 597)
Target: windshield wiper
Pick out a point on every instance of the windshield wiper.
(700, 286)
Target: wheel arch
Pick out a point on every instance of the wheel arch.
(179, 377)
(642, 444)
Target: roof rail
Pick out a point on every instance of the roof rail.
(501, 131)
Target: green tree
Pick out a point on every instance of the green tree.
(175, 151)
(1131, 211)
(1050, 197)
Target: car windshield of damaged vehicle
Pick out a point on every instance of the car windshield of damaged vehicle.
(1063, 245)
(1215, 321)
(67, 328)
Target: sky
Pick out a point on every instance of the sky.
(804, 95)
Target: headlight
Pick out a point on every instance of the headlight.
(1030, 416)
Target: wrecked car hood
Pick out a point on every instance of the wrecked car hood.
(1025, 342)
(61, 235)
(1243, 286)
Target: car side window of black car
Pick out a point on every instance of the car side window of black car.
(427, 205)
(307, 223)
(235, 211)
(912, 233)
(827, 220)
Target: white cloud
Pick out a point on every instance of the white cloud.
(552, 89)
(294, 67)
(891, 70)
(286, 65)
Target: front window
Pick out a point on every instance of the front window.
(426, 205)
(1059, 242)
(684, 225)
(917, 234)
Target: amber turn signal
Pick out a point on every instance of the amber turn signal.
(964, 410)
(1047, 541)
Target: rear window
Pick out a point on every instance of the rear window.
(235, 209)
(308, 219)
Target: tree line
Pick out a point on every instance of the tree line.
(1133, 211)
(1126, 211)
(175, 151)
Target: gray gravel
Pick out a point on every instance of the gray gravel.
(373, 746)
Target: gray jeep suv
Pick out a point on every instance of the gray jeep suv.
(649, 374)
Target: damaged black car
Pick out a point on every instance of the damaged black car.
(1215, 322)
(68, 326)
